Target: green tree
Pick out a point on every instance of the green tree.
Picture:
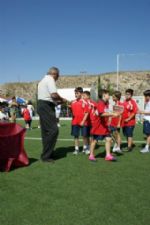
(110, 88)
(99, 84)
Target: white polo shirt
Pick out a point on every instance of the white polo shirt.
(46, 87)
(147, 109)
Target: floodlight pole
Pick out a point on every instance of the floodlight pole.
(118, 71)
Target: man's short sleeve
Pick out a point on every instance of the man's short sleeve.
(51, 85)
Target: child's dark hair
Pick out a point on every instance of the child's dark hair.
(130, 91)
(102, 92)
(117, 94)
(146, 93)
(79, 89)
(87, 93)
(24, 106)
(29, 102)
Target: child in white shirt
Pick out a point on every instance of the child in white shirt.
(146, 118)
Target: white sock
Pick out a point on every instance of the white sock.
(84, 146)
(147, 146)
(76, 148)
(115, 145)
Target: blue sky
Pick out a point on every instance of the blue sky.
(75, 35)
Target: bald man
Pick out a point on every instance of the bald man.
(48, 98)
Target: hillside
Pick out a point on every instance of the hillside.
(139, 81)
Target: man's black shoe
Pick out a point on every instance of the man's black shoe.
(49, 160)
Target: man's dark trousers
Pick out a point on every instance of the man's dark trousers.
(49, 129)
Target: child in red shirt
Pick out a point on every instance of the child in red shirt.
(79, 109)
(27, 117)
(130, 110)
(87, 97)
(100, 115)
(116, 122)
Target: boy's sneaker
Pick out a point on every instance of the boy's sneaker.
(92, 158)
(83, 151)
(110, 158)
(117, 150)
(76, 152)
(145, 150)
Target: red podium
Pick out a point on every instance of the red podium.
(12, 153)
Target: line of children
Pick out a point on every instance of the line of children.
(98, 121)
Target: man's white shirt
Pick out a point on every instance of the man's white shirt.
(46, 87)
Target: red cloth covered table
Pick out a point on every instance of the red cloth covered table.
(12, 151)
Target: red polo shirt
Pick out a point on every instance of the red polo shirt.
(79, 107)
(99, 124)
(26, 115)
(130, 107)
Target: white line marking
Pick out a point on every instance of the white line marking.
(70, 139)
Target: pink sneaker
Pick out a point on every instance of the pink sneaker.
(92, 158)
(110, 158)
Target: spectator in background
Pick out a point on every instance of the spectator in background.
(58, 111)
(13, 109)
(3, 115)
(30, 107)
(27, 117)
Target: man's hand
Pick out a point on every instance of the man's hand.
(69, 104)
(140, 112)
(64, 100)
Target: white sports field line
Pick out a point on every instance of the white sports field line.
(71, 139)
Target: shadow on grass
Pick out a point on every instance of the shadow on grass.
(103, 154)
(31, 161)
(124, 145)
(142, 146)
(62, 152)
(100, 155)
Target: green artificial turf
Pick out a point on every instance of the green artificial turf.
(74, 191)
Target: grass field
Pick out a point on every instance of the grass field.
(74, 191)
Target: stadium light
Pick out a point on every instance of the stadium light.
(118, 71)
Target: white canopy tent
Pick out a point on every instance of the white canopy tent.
(3, 100)
(68, 93)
